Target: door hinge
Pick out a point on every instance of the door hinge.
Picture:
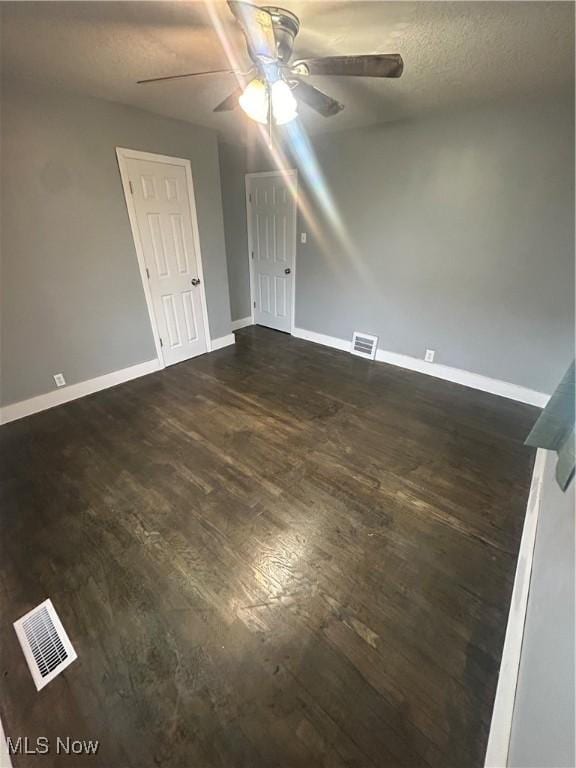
(147, 273)
(161, 342)
(252, 254)
(254, 305)
(250, 197)
(131, 187)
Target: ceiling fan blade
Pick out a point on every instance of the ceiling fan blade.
(320, 102)
(371, 65)
(230, 102)
(256, 23)
(189, 74)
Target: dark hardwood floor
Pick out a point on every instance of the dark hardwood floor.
(274, 555)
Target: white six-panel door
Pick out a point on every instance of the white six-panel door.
(272, 242)
(163, 212)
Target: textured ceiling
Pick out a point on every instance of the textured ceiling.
(455, 53)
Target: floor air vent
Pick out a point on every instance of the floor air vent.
(45, 643)
(364, 345)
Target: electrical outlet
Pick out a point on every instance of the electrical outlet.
(59, 379)
(303, 237)
(429, 356)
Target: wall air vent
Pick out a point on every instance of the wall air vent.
(364, 345)
(44, 642)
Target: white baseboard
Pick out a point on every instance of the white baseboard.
(5, 761)
(223, 341)
(74, 391)
(320, 338)
(242, 323)
(457, 375)
(501, 725)
(467, 378)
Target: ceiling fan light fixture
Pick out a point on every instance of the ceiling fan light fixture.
(274, 94)
(257, 97)
(284, 105)
(254, 100)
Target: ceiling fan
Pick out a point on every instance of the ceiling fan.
(278, 83)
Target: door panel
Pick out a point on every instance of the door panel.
(272, 212)
(189, 316)
(264, 293)
(162, 205)
(280, 297)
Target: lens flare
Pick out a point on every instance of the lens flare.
(290, 146)
(309, 168)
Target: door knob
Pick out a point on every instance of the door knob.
(195, 281)
(287, 271)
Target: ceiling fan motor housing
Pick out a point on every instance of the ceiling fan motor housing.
(286, 27)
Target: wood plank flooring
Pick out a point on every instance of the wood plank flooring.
(276, 555)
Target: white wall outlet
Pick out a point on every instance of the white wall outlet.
(59, 379)
(429, 356)
(303, 237)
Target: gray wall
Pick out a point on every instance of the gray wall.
(232, 175)
(462, 233)
(543, 727)
(463, 227)
(72, 299)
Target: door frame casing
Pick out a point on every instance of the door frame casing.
(262, 174)
(124, 154)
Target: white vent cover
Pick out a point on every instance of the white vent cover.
(364, 345)
(45, 643)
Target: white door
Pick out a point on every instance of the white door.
(272, 243)
(162, 206)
